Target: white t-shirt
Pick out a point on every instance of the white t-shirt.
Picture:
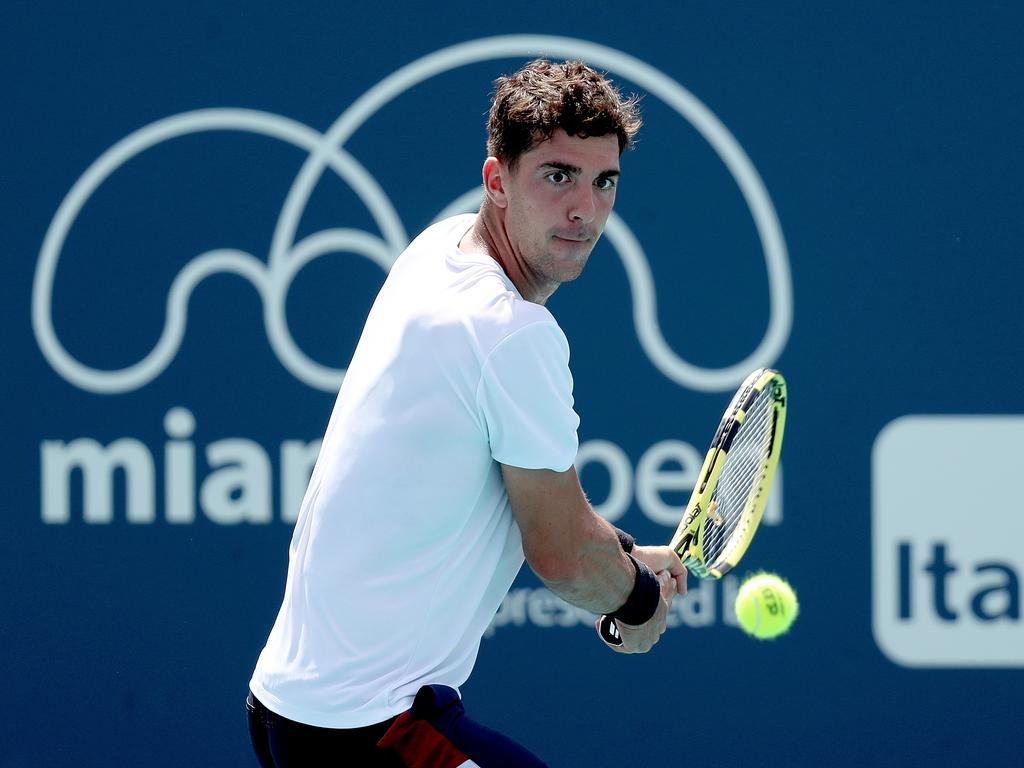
(405, 544)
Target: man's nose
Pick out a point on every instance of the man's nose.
(583, 207)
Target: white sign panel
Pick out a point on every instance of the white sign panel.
(948, 541)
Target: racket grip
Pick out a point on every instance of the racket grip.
(610, 630)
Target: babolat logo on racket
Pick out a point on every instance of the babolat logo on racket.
(947, 594)
(691, 516)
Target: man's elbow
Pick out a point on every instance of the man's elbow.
(553, 568)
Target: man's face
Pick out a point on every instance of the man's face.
(559, 198)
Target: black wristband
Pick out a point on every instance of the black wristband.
(643, 601)
(627, 541)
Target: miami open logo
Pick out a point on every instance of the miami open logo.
(189, 476)
(286, 255)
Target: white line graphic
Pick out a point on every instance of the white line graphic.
(326, 151)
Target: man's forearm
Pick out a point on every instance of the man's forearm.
(573, 550)
(598, 578)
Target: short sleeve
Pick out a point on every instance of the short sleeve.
(525, 397)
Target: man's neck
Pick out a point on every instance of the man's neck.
(489, 236)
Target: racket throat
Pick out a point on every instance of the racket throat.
(695, 566)
(693, 563)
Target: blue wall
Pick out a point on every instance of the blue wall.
(835, 193)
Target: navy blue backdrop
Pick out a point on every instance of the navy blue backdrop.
(200, 202)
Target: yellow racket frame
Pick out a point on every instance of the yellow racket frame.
(688, 541)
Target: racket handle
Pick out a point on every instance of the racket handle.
(610, 631)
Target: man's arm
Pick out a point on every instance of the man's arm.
(577, 554)
(573, 550)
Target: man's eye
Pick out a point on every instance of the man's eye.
(605, 183)
(558, 177)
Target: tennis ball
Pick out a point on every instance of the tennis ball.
(766, 606)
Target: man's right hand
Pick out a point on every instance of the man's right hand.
(640, 639)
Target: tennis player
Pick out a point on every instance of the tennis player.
(449, 455)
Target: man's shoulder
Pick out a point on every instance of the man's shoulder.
(500, 311)
(445, 232)
(519, 325)
(477, 291)
(463, 292)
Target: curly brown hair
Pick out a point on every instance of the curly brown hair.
(542, 96)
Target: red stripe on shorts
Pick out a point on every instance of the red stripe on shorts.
(421, 745)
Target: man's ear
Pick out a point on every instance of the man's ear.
(495, 175)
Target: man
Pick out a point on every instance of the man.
(449, 455)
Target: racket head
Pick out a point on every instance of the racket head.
(732, 488)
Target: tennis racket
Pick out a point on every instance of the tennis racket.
(725, 509)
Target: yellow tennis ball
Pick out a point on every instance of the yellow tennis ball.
(766, 606)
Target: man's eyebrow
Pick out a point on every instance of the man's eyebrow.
(575, 170)
(572, 170)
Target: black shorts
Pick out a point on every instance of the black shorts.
(434, 733)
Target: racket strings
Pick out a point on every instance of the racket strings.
(740, 480)
(741, 477)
